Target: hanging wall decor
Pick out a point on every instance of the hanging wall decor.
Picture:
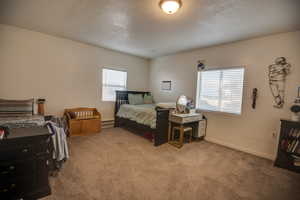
(166, 85)
(277, 77)
(254, 97)
(201, 65)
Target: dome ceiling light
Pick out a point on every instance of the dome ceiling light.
(170, 6)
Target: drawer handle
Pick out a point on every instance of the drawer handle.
(25, 150)
(12, 185)
(11, 168)
(4, 172)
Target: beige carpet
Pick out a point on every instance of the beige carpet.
(117, 164)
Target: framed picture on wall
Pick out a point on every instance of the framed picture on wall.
(166, 85)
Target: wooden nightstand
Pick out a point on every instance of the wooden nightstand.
(183, 121)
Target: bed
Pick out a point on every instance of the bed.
(148, 120)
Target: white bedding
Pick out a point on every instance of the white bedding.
(142, 114)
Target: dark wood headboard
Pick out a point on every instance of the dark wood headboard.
(122, 98)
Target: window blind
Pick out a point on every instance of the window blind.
(112, 80)
(220, 90)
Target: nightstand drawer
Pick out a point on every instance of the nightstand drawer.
(185, 118)
(191, 119)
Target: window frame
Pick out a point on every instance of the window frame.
(216, 69)
(102, 85)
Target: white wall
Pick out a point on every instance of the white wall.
(252, 131)
(64, 72)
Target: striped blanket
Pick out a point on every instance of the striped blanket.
(25, 121)
(16, 108)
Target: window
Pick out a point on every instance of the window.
(112, 80)
(220, 90)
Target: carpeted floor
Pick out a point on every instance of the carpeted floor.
(117, 165)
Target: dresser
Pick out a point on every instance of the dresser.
(24, 161)
(288, 153)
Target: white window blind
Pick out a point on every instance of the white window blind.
(220, 90)
(112, 80)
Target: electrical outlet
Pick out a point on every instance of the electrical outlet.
(274, 135)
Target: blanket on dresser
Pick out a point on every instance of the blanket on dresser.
(22, 121)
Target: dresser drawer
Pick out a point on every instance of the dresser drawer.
(16, 188)
(17, 168)
(22, 152)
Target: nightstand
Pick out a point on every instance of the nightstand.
(182, 122)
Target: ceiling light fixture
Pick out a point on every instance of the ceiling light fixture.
(170, 6)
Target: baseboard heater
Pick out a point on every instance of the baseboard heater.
(108, 124)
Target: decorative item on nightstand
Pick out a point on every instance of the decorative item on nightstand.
(184, 105)
(181, 105)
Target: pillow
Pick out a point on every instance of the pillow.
(135, 99)
(148, 99)
(16, 108)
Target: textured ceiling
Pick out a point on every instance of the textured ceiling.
(140, 28)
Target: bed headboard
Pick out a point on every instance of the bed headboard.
(122, 98)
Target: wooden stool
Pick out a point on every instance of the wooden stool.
(182, 130)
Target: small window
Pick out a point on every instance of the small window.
(220, 90)
(112, 80)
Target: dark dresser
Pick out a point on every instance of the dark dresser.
(24, 163)
(289, 146)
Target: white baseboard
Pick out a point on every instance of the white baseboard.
(107, 120)
(239, 148)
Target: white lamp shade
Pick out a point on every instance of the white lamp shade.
(170, 6)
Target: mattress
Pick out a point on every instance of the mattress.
(143, 114)
(24, 121)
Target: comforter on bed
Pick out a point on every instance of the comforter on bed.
(143, 114)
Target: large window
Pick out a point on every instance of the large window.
(220, 90)
(112, 80)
